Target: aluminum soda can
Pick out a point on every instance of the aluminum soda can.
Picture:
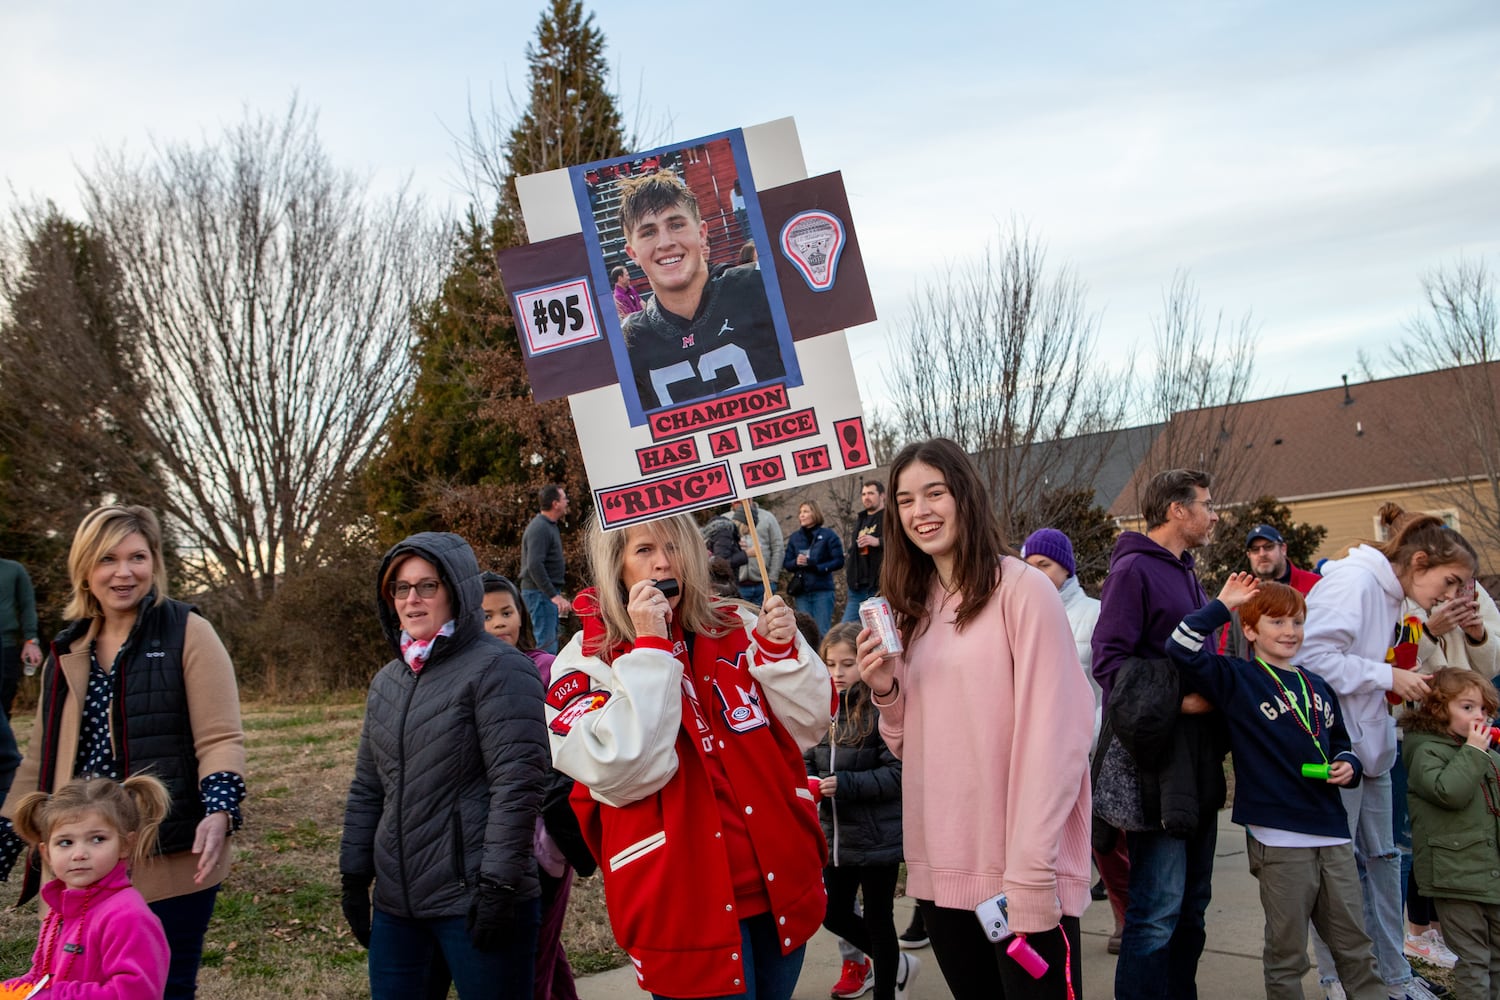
(876, 616)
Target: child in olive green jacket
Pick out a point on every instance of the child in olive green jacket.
(1453, 788)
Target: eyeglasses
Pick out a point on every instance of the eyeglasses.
(1208, 505)
(426, 589)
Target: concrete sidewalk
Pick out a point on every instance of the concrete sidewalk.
(1230, 968)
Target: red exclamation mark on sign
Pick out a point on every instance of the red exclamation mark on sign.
(851, 438)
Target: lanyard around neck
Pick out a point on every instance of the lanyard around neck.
(1306, 706)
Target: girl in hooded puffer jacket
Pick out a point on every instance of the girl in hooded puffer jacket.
(858, 780)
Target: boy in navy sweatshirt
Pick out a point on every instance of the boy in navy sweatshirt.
(1290, 751)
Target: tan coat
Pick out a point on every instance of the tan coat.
(218, 739)
(1456, 649)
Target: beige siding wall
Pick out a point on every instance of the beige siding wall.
(1351, 519)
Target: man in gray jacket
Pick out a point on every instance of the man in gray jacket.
(772, 544)
(543, 568)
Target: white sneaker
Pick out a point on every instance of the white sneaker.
(1429, 947)
(906, 974)
(1417, 988)
(1335, 990)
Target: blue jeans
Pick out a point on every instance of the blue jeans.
(184, 920)
(543, 619)
(769, 975)
(755, 593)
(1170, 884)
(1401, 821)
(856, 598)
(819, 604)
(1371, 824)
(401, 952)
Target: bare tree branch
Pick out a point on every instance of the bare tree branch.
(1000, 356)
(273, 299)
(1203, 369)
(1459, 335)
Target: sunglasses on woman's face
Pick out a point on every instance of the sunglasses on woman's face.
(426, 589)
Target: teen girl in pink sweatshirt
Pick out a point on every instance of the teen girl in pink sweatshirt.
(991, 716)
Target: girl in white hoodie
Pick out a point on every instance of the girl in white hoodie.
(1353, 625)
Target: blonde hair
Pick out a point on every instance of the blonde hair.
(135, 807)
(817, 512)
(697, 611)
(101, 530)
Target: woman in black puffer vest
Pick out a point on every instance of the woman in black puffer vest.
(140, 683)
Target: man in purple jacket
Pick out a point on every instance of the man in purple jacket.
(1150, 588)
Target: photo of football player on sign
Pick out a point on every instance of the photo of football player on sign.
(697, 335)
(709, 325)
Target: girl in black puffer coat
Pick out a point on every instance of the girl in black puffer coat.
(859, 782)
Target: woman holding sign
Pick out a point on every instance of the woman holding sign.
(683, 717)
(989, 712)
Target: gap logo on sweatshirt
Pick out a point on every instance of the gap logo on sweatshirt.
(1278, 707)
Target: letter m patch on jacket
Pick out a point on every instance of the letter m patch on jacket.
(741, 706)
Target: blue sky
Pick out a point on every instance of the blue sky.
(1305, 162)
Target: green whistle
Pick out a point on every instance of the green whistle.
(1318, 771)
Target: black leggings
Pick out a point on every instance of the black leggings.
(875, 932)
(978, 969)
(1419, 909)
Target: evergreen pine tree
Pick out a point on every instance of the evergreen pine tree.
(68, 372)
(469, 449)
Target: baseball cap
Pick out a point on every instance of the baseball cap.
(1265, 531)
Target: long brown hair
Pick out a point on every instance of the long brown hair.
(907, 574)
(1425, 533)
(698, 610)
(860, 717)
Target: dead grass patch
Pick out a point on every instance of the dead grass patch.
(277, 927)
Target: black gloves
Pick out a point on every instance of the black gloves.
(355, 901)
(492, 915)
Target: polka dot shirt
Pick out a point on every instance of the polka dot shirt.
(95, 754)
(222, 791)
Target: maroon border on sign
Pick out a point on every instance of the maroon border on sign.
(713, 443)
(674, 463)
(750, 429)
(858, 423)
(700, 416)
(827, 459)
(759, 461)
(616, 519)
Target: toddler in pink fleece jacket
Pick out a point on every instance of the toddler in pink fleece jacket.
(99, 939)
(991, 715)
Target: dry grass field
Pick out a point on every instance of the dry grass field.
(277, 930)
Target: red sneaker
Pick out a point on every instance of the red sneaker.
(858, 978)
